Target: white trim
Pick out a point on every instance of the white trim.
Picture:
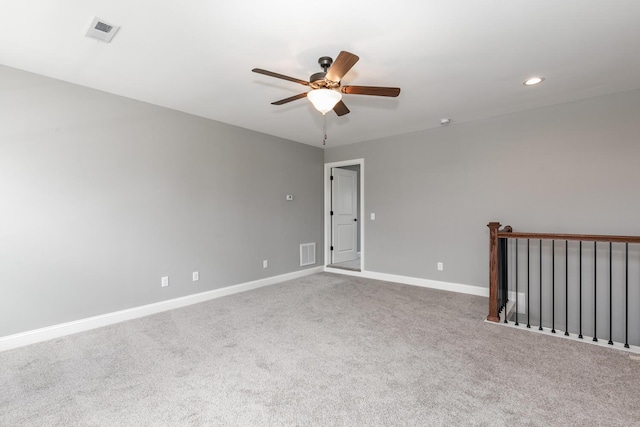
(327, 207)
(56, 331)
(572, 337)
(415, 281)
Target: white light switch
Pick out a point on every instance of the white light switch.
(373, 216)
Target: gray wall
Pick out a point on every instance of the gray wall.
(102, 195)
(569, 168)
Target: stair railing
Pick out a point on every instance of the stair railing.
(570, 286)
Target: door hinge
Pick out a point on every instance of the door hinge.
(331, 213)
(331, 178)
(331, 247)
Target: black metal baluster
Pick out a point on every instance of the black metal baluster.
(528, 293)
(566, 287)
(580, 304)
(505, 275)
(595, 291)
(540, 327)
(610, 301)
(553, 286)
(517, 282)
(500, 268)
(626, 295)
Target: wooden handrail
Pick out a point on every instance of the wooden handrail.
(495, 234)
(583, 237)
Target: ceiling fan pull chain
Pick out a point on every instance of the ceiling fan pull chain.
(324, 129)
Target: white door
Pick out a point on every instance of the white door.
(344, 221)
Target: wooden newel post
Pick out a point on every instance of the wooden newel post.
(493, 271)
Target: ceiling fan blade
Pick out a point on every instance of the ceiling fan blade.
(291, 98)
(341, 66)
(371, 90)
(341, 109)
(279, 76)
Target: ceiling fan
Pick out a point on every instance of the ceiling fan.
(326, 91)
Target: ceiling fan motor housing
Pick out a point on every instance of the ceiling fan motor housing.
(317, 80)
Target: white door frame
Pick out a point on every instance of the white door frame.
(327, 212)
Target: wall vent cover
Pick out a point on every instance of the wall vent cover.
(307, 254)
(101, 30)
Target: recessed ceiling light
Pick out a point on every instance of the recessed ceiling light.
(533, 81)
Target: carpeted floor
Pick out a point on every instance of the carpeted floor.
(321, 350)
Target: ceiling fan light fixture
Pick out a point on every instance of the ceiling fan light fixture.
(324, 99)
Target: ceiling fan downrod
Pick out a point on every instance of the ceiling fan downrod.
(325, 62)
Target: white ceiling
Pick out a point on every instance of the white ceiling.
(463, 59)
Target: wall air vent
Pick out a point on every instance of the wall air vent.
(307, 254)
(101, 30)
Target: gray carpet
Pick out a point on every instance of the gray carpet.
(321, 350)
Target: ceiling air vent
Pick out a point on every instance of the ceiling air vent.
(101, 30)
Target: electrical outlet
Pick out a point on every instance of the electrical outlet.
(440, 266)
(373, 216)
(522, 301)
(164, 282)
(195, 276)
(265, 264)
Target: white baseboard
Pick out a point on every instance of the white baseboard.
(602, 342)
(56, 331)
(415, 281)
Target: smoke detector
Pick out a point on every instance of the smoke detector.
(101, 30)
